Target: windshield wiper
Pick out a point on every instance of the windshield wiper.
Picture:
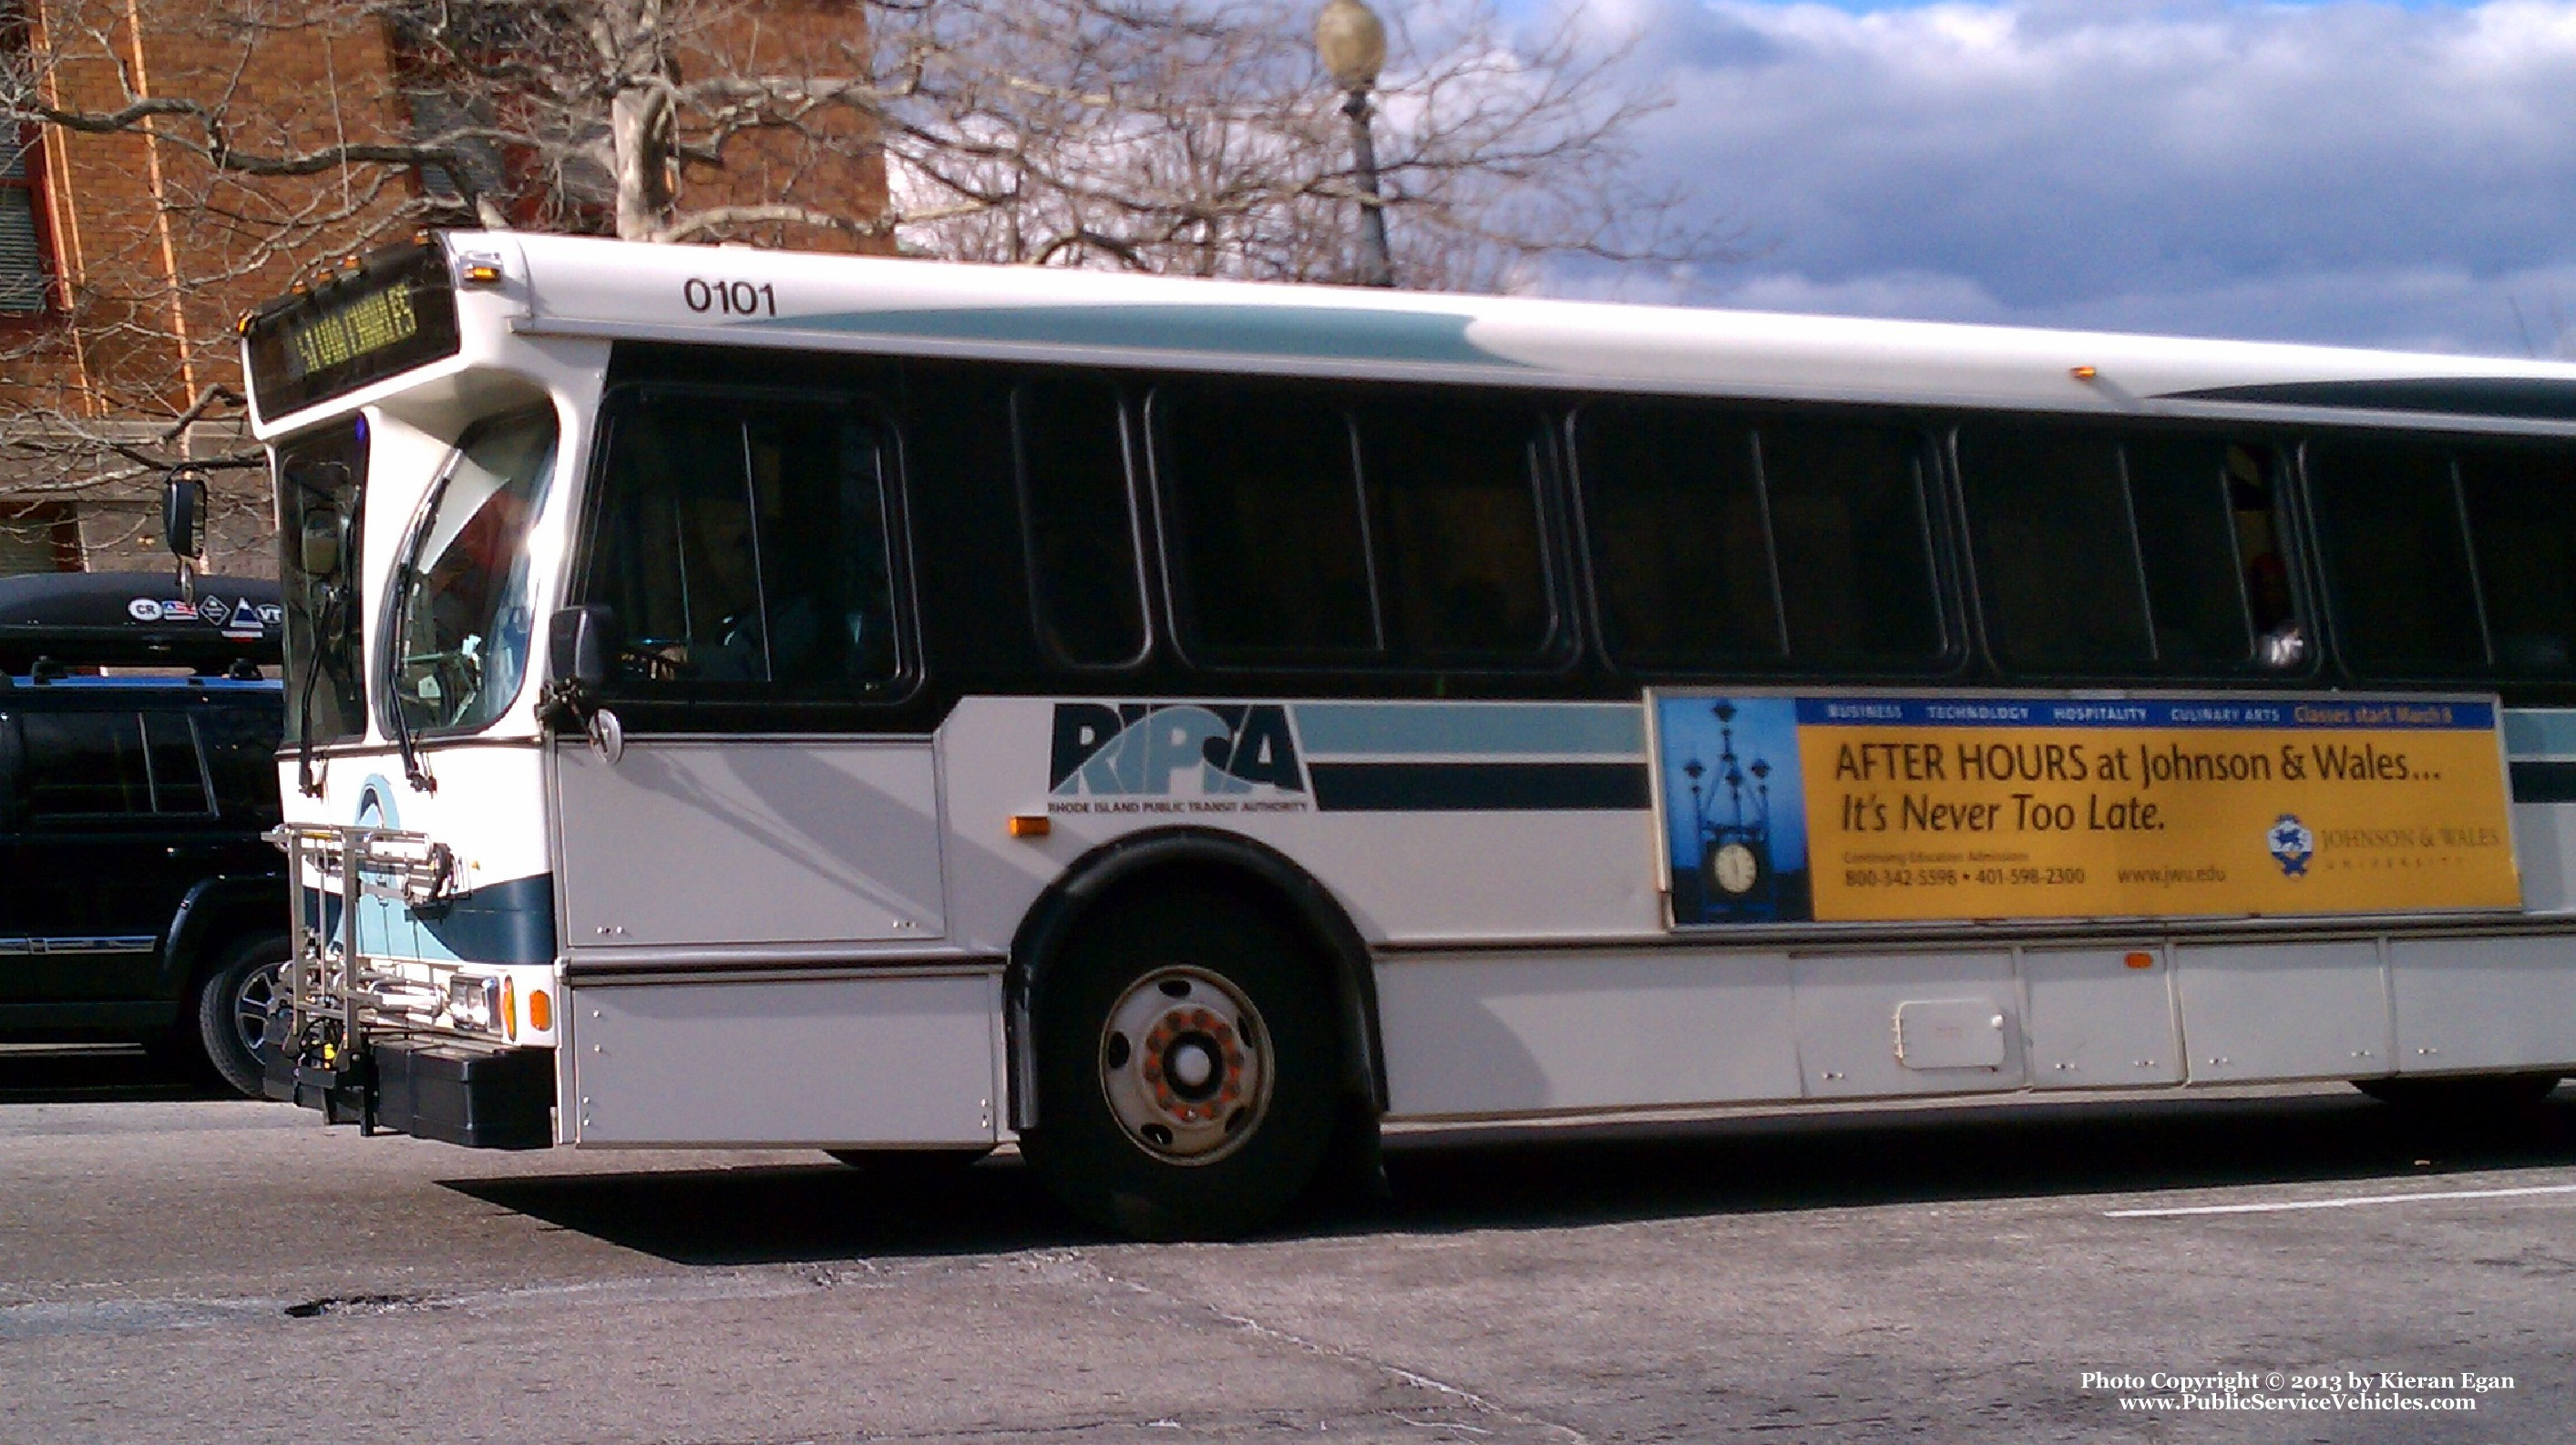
(325, 624)
(418, 776)
(330, 604)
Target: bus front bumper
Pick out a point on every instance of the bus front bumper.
(454, 1091)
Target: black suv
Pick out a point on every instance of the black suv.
(138, 738)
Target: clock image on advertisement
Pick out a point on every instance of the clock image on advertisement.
(1735, 869)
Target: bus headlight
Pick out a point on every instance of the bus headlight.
(474, 1004)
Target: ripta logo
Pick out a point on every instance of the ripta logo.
(1147, 750)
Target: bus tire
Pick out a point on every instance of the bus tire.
(236, 989)
(2464, 1096)
(1186, 1062)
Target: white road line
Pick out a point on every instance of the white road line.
(2352, 1203)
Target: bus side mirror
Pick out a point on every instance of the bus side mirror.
(579, 643)
(183, 512)
(318, 549)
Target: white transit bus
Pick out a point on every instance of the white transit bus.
(745, 699)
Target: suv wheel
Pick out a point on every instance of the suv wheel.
(233, 1001)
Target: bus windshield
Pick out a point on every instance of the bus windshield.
(461, 618)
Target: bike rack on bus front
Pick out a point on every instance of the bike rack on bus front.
(319, 1059)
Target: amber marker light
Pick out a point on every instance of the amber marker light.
(2140, 959)
(509, 1009)
(541, 1010)
(483, 274)
(2084, 373)
(1030, 825)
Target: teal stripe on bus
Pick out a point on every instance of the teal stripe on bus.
(1305, 332)
(1470, 729)
(2540, 734)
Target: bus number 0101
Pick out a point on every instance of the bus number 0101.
(731, 298)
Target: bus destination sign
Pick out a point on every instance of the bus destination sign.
(394, 311)
(339, 336)
(1889, 809)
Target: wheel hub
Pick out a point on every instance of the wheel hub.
(1184, 1062)
(257, 996)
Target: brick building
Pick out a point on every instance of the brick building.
(126, 257)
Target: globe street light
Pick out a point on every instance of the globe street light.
(1352, 43)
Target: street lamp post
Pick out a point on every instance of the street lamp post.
(1352, 43)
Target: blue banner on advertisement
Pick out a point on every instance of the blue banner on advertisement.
(2377, 715)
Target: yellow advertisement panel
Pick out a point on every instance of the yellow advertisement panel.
(1892, 809)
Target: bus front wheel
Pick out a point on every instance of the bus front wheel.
(1185, 1063)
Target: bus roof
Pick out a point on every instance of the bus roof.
(586, 286)
(505, 283)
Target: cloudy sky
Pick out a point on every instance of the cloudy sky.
(2361, 171)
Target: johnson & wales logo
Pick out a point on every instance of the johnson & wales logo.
(2291, 844)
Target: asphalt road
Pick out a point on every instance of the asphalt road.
(176, 1267)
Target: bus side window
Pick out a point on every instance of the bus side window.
(827, 594)
(743, 542)
(675, 553)
(1453, 490)
(2056, 554)
(2098, 552)
(1273, 556)
(321, 479)
(2283, 638)
(1079, 519)
(1680, 554)
(2211, 552)
(2397, 566)
(1853, 551)
(2522, 518)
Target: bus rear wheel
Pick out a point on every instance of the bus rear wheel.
(1185, 1070)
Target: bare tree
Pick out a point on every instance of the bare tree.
(212, 147)
(1200, 137)
(203, 154)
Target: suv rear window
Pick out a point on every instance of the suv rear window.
(88, 764)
